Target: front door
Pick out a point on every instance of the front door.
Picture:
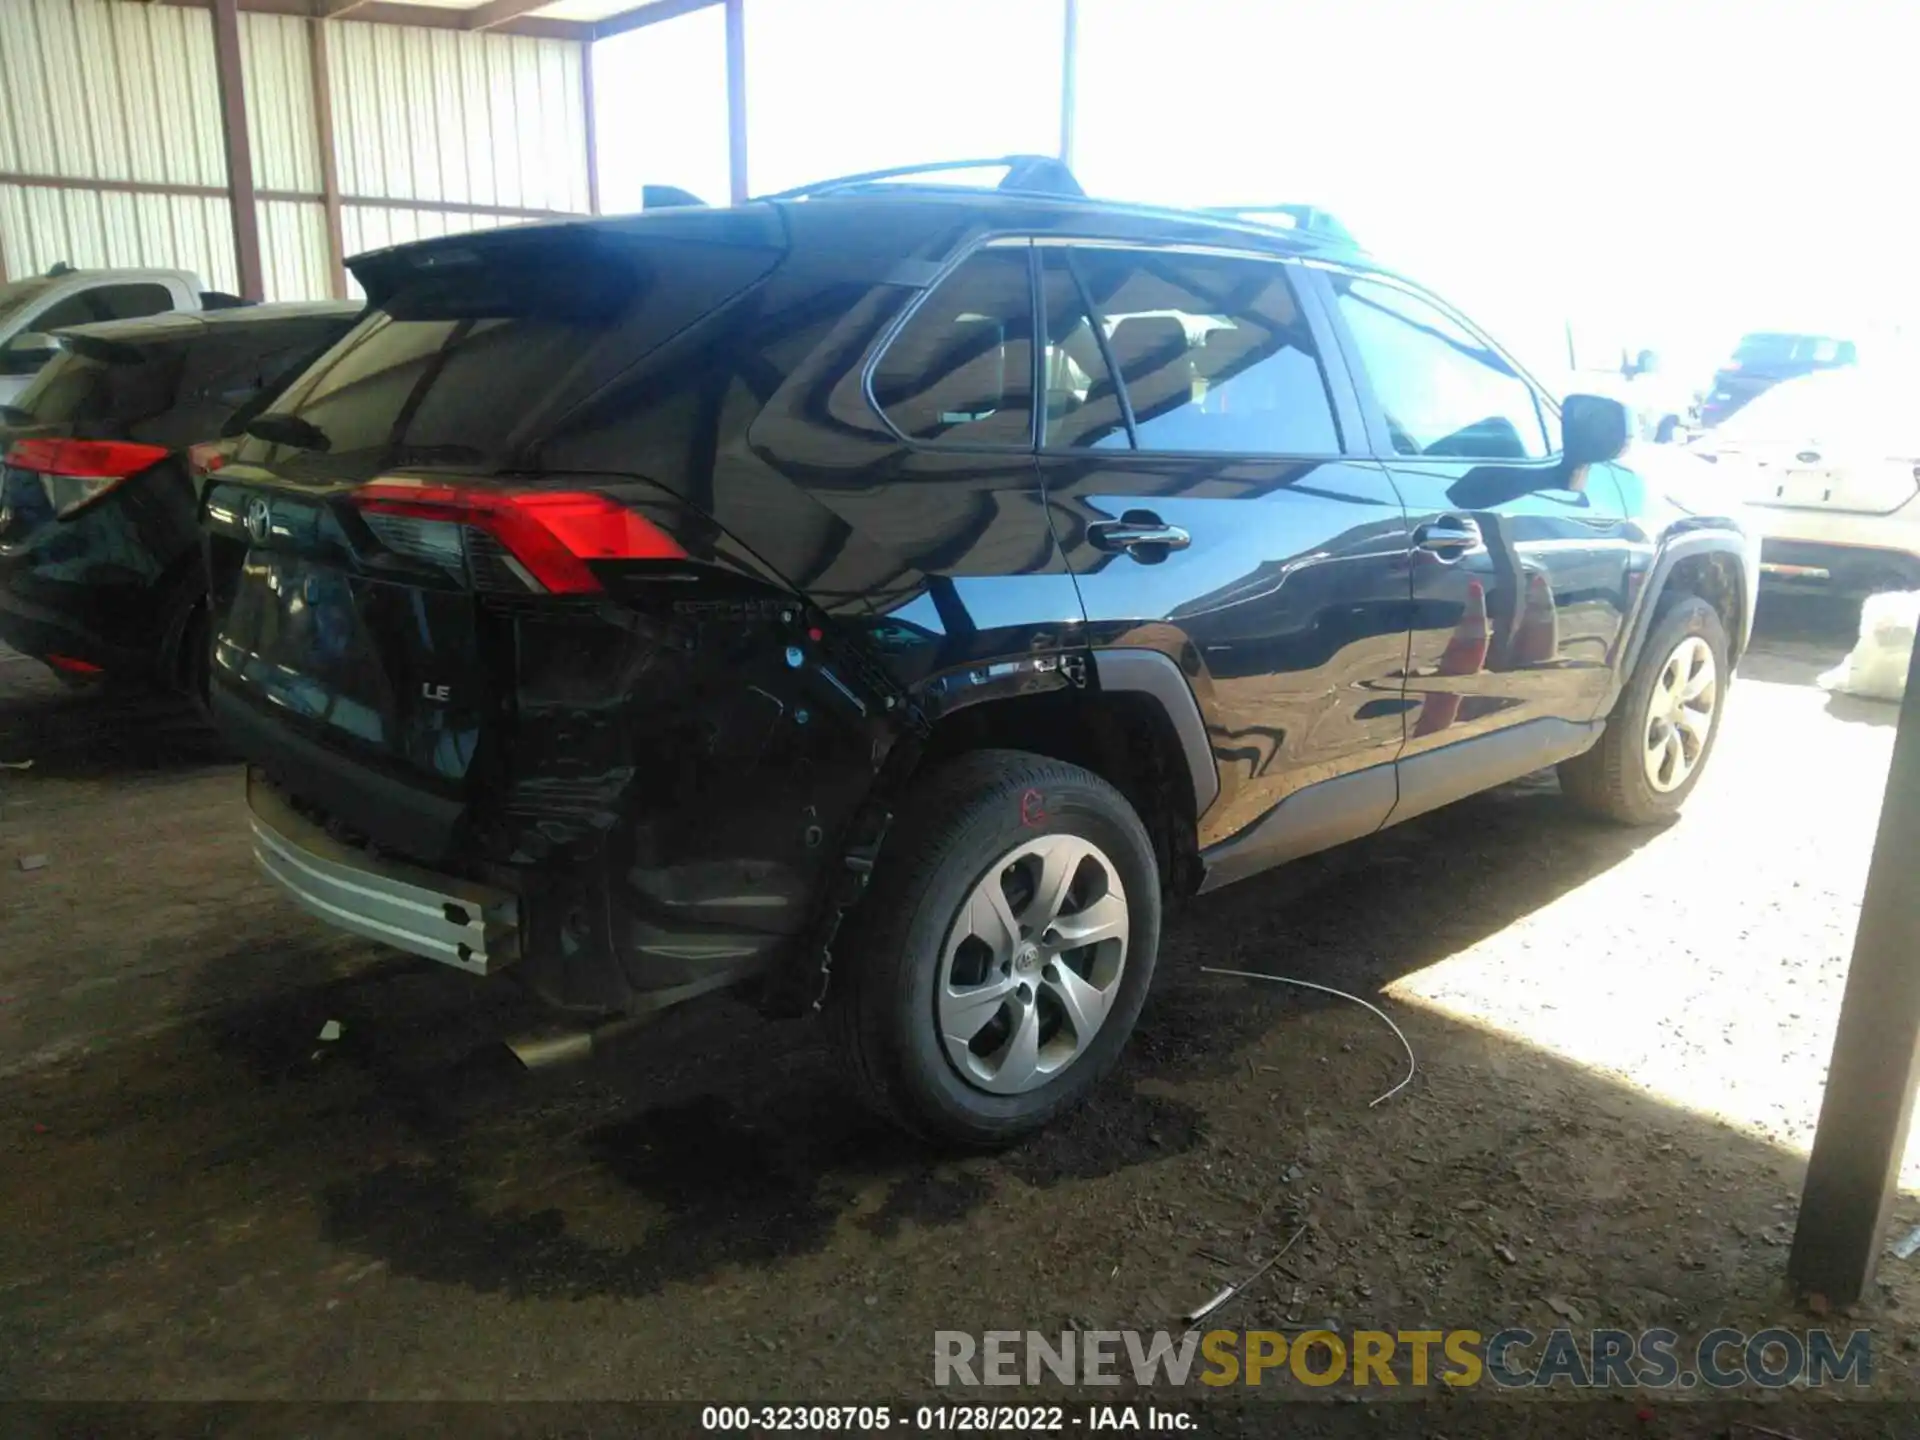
(1210, 508)
(1518, 568)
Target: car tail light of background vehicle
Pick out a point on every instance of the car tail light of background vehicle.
(545, 537)
(208, 457)
(75, 473)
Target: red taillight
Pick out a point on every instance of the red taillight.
(207, 458)
(94, 459)
(75, 473)
(73, 666)
(552, 533)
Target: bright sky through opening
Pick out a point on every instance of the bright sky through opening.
(1666, 173)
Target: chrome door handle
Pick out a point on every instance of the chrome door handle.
(1450, 532)
(1117, 535)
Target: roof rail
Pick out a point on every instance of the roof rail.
(1029, 174)
(1302, 219)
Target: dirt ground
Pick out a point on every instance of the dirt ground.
(1620, 1034)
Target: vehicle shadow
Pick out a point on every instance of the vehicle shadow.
(733, 1139)
(98, 731)
(716, 1151)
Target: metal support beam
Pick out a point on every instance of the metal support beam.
(431, 17)
(652, 13)
(1069, 79)
(593, 144)
(1854, 1171)
(322, 67)
(309, 197)
(233, 122)
(737, 100)
(499, 12)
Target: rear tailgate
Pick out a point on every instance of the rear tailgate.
(382, 544)
(1846, 480)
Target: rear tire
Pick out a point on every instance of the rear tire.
(965, 1009)
(1661, 732)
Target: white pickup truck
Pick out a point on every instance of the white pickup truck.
(31, 308)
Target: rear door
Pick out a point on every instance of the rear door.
(1518, 569)
(1198, 460)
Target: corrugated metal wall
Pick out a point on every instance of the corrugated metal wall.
(461, 118)
(276, 57)
(439, 116)
(152, 114)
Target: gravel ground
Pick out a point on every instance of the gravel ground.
(1621, 1038)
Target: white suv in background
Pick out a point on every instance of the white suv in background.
(1829, 464)
(31, 308)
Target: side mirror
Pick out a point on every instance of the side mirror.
(1593, 429)
(27, 352)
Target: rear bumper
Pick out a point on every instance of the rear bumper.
(470, 926)
(401, 817)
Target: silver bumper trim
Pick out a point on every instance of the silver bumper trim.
(470, 926)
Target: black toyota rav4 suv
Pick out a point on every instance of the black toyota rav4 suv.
(875, 600)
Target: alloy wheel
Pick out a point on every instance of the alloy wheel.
(1680, 714)
(1032, 964)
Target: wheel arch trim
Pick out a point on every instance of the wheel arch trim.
(1153, 673)
(1731, 543)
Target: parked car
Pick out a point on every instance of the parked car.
(1830, 466)
(31, 309)
(874, 600)
(1765, 358)
(101, 571)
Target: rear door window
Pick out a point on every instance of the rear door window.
(1214, 352)
(73, 310)
(1083, 404)
(130, 302)
(960, 371)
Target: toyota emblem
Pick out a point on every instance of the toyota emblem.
(259, 520)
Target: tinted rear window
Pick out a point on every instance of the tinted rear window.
(75, 389)
(215, 369)
(470, 357)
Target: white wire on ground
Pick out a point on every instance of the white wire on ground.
(1329, 990)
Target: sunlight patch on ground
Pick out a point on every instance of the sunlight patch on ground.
(1706, 968)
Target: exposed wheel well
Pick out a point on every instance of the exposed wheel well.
(1124, 738)
(1715, 578)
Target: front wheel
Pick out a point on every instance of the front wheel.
(993, 975)
(1662, 729)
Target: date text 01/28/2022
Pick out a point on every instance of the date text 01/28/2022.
(988, 1419)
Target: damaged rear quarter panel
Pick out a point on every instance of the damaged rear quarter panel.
(682, 762)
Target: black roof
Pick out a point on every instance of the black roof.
(867, 223)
